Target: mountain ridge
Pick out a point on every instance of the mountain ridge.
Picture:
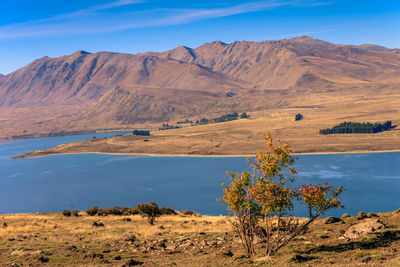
(81, 90)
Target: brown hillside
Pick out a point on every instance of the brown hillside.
(86, 91)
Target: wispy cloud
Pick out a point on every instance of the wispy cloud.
(309, 33)
(102, 19)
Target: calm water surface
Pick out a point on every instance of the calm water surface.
(372, 181)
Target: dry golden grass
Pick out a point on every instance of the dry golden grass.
(180, 240)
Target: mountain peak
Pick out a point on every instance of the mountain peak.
(81, 52)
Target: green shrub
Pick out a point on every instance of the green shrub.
(66, 213)
(149, 210)
(167, 211)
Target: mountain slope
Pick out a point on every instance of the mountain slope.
(85, 91)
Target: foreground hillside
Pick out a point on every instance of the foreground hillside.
(86, 92)
(189, 240)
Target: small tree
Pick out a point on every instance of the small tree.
(149, 210)
(242, 207)
(265, 197)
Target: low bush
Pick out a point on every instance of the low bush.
(67, 213)
(123, 211)
(93, 211)
(167, 211)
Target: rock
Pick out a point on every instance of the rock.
(397, 211)
(98, 224)
(372, 215)
(117, 258)
(364, 228)
(127, 219)
(5, 225)
(330, 220)
(361, 215)
(345, 215)
(202, 233)
(367, 259)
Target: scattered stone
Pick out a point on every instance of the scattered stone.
(106, 251)
(127, 219)
(332, 219)
(73, 247)
(372, 215)
(5, 225)
(202, 233)
(361, 215)
(98, 224)
(345, 215)
(117, 258)
(367, 259)
(364, 228)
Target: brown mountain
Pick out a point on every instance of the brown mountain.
(85, 91)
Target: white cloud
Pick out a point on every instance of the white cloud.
(101, 19)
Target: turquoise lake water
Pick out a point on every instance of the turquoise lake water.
(47, 184)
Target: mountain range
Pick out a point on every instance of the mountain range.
(91, 91)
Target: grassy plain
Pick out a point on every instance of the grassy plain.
(245, 136)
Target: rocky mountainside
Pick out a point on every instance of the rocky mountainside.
(104, 89)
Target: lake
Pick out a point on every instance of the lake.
(54, 183)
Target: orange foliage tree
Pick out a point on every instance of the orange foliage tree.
(263, 200)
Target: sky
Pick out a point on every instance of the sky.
(31, 29)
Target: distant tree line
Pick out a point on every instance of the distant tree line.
(223, 118)
(141, 132)
(187, 121)
(357, 127)
(167, 126)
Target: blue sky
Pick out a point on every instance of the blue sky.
(30, 29)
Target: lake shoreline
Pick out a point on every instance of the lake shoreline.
(200, 155)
